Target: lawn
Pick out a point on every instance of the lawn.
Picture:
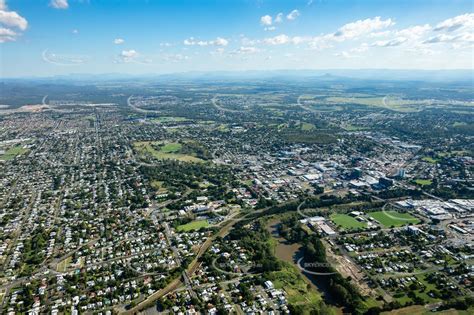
(169, 119)
(347, 222)
(423, 182)
(393, 218)
(171, 147)
(63, 265)
(290, 280)
(307, 126)
(11, 153)
(194, 225)
(429, 159)
(169, 150)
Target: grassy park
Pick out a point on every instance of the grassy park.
(194, 225)
(347, 222)
(393, 218)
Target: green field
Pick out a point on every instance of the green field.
(347, 222)
(393, 218)
(307, 126)
(194, 225)
(296, 288)
(169, 119)
(423, 182)
(171, 147)
(430, 160)
(11, 153)
(169, 150)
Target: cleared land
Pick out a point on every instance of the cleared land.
(169, 119)
(393, 218)
(347, 222)
(166, 151)
(11, 153)
(194, 225)
(423, 182)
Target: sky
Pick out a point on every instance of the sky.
(56, 37)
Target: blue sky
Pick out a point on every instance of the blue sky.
(50, 37)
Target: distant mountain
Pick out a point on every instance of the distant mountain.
(323, 75)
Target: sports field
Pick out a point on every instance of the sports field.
(194, 225)
(347, 222)
(393, 218)
(169, 150)
(11, 153)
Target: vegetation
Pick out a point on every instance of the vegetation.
(11, 153)
(347, 222)
(193, 226)
(393, 218)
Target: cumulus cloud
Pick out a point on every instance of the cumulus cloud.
(293, 15)
(266, 20)
(59, 4)
(219, 41)
(444, 38)
(279, 18)
(7, 35)
(362, 27)
(119, 41)
(277, 40)
(13, 19)
(129, 53)
(247, 50)
(175, 57)
(390, 43)
(9, 20)
(414, 31)
(455, 23)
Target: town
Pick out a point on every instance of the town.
(226, 200)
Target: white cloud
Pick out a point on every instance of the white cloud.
(247, 50)
(362, 27)
(219, 41)
(63, 59)
(129, 53)
(293, 15)
(13, 19)
(9, 20)
(175, 57)
(344, 54)
(390, 43)
(218, 51)
(266, 20)
(189, 41)
(279, 18)
(455, 23)
(362, 48)
(443, 38)
(277, 40)
(165, 44)
(414, 31)
(119, 41)
(300, 39)
(7, 35)
(270, 28)
(59, 4)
